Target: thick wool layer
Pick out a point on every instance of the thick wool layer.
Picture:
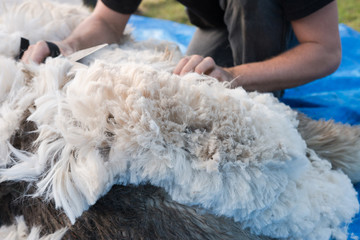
(126, 119)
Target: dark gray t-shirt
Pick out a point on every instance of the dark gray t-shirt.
(209, 12)
(254, 30)
(250, 30)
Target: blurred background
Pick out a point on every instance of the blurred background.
(349, 11)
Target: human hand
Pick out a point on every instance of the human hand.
(42, 49)
(201, 65)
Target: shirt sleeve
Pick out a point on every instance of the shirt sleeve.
(296, 9)
(122, 6)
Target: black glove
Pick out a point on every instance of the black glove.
(24, 45)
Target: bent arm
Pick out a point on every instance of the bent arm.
(102, 26)
(317, 55)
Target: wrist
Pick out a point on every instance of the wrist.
(235, 76)
(66, 48)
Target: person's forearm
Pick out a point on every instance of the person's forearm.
(317, 55)
(103, 26)
(304, 63)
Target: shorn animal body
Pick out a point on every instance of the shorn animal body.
(124, 149)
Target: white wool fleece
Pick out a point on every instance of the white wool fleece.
(234, 154)
(127, 120)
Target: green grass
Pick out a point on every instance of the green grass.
(165, 9)
(349, 11)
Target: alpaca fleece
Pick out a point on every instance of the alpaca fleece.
(126, 120)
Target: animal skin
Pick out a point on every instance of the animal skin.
(124, 149)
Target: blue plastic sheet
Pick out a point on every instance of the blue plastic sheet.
(159, 29)
(334, 97)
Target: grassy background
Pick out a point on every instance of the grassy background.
(349, 11)
(165, 9)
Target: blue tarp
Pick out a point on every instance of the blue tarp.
(334, 97)
(152, 28)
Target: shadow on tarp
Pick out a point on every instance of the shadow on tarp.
(334, 97)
